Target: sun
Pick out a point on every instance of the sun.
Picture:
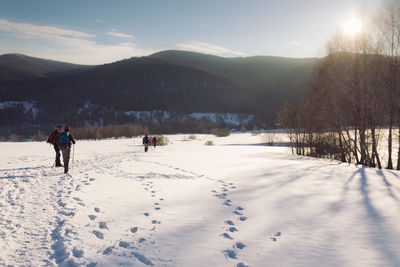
(352, 27)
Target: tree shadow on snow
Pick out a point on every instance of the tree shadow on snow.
(379, 231)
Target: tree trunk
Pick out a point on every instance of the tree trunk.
(390, 163)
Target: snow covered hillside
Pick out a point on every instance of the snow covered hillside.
(237, 203)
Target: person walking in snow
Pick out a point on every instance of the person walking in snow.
(64, 140)
(154, 141)
(146, 143)
(53, 140)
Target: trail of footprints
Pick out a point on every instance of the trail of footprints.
(230, 225)
(135, 230)
(231, 228)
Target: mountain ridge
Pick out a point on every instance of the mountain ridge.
(179, 82)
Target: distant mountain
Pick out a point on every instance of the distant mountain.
(257, 71)
(37, 92)
(269, 80)
(17, 67)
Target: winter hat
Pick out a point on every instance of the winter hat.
(67, 129)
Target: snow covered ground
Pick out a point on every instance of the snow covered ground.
(237, 203)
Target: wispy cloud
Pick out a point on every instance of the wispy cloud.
(115, 33)
(25, 30)
(207, 48)
(99, 21)
(68, 45)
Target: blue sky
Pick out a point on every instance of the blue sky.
(99, 31)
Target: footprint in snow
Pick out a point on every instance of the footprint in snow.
(232, 229)
(221, 196)
(226, 235)
(227, 203)
(229, 253)
(77, 199)
(276, 235)
(157, 208)
(108, 250)
(92, 217)
(98, 234)
(237, 213)
(229, 222)
(123, 244)
(146, 214)
(103, 225)
(241, 264)
(240, 245)
(96, 209)
(243, 218)
(155, 222)
(239, 208)
(134, 229)
(77, 253)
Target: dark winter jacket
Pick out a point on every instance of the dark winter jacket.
(53, 137)
(146, 140)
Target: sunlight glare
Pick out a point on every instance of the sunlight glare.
(352, 27)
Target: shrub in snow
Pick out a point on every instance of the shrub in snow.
(162, 140)
(209, 143)
(268, 138)
(220, 132)
(192, 137)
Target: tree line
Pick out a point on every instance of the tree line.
(352, 109)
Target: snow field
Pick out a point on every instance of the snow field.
(237, 203)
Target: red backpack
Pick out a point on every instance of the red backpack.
(53, 138)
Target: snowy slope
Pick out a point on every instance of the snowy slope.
(237, 203)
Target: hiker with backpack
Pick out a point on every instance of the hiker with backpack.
(64, 141)
(53, 140)
(146, 143)
(154, 141)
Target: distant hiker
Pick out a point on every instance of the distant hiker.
(146, 143)
(53, 139)
(154, 141)
(64, 140)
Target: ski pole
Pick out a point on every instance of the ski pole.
(73, 154)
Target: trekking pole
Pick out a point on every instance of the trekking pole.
(73, 154)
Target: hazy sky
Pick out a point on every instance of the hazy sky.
(100, 31)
